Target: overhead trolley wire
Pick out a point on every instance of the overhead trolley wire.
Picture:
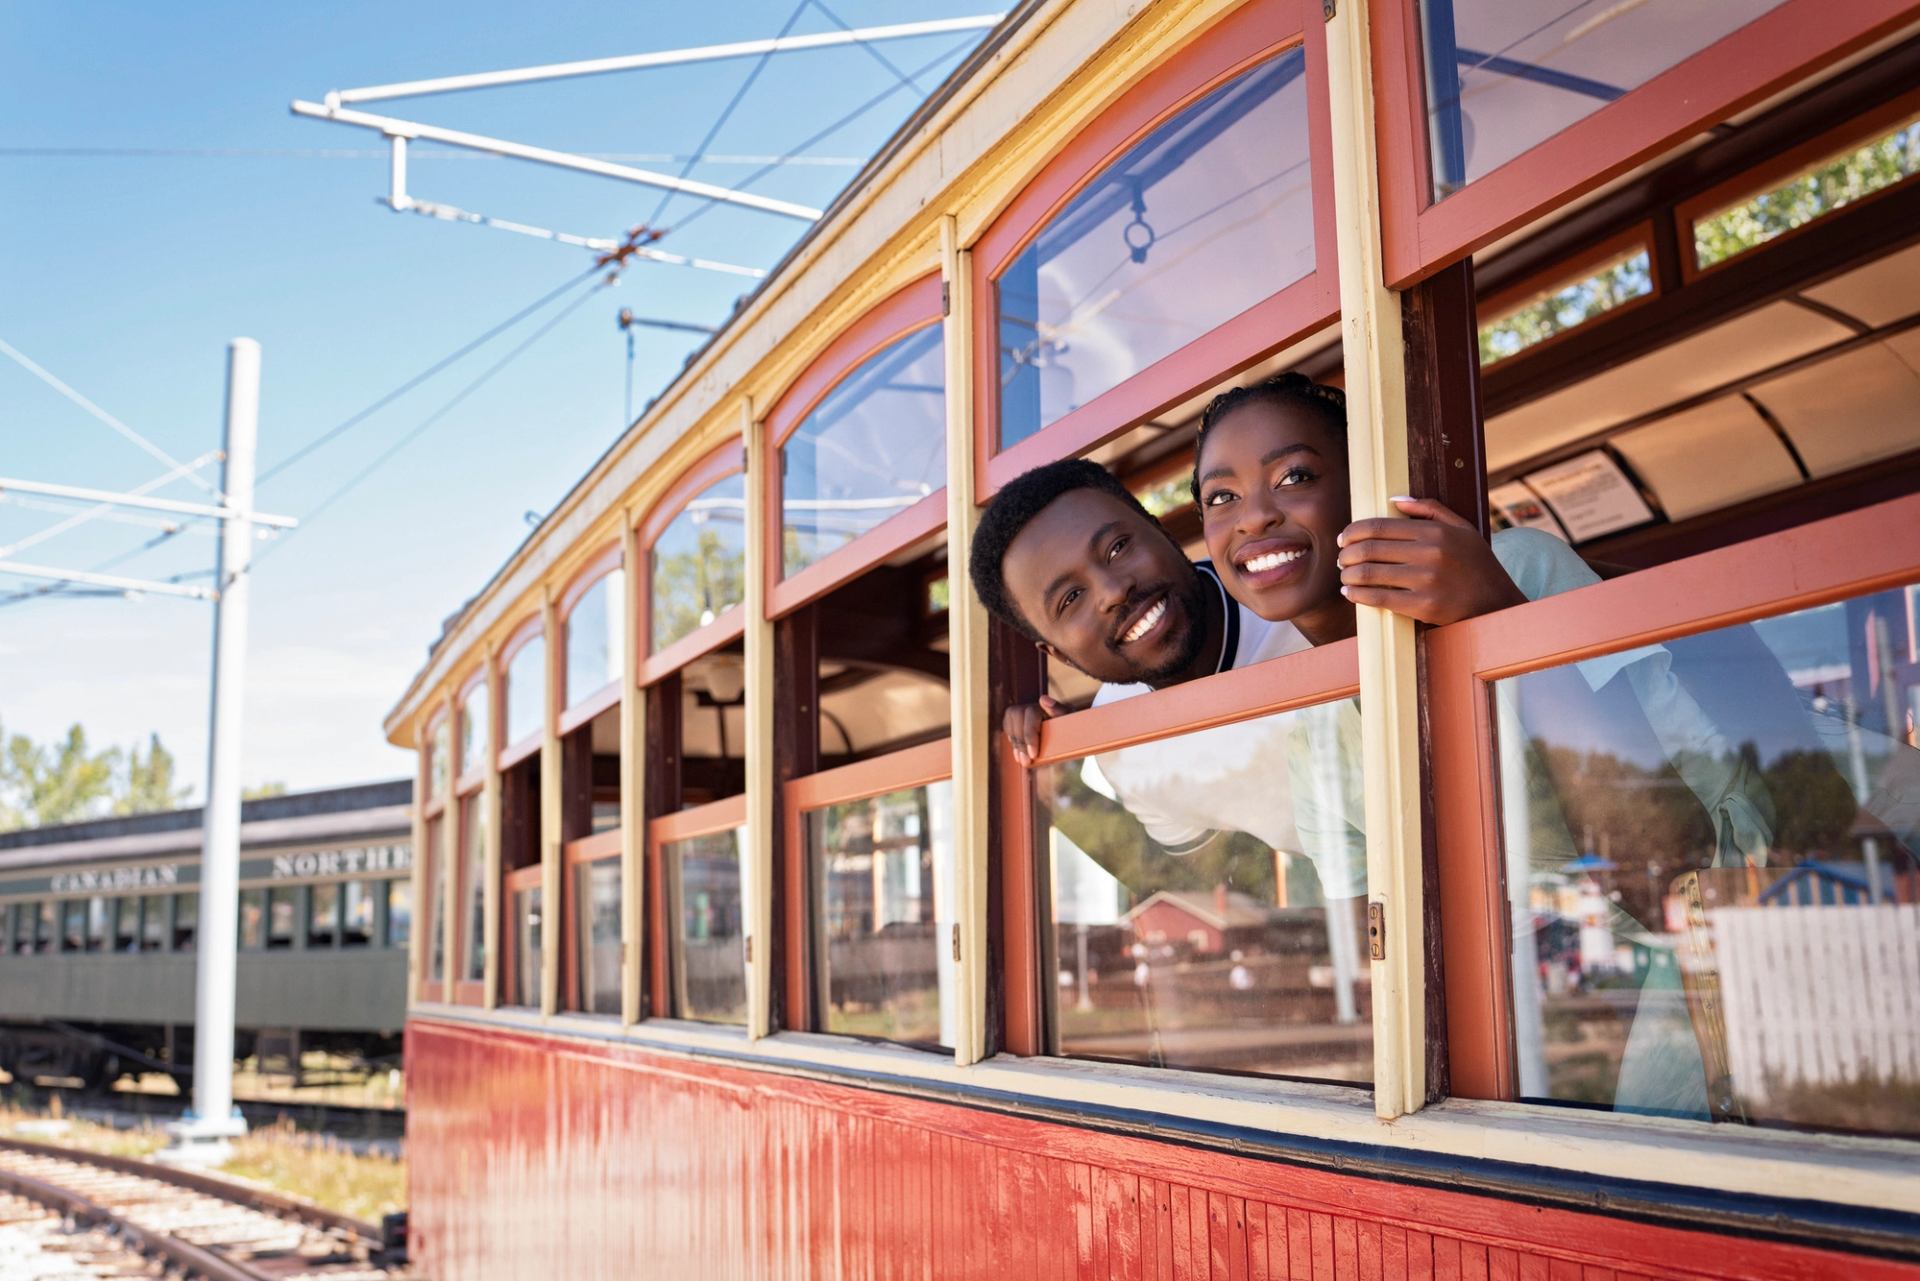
(354, 420)
(872, 49)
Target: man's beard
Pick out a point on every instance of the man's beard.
(1193, 603)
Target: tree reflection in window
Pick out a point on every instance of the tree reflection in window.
(1566, 305)
(699, 562)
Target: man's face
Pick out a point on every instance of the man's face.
(1107, 590)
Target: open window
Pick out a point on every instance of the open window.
(523, 701)
(436, 774)
(593, 621)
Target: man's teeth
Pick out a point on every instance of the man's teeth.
(1272, 560)
(1148, 621)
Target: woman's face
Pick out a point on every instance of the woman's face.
(1273, 498)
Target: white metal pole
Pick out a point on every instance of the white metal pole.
(213, 1119)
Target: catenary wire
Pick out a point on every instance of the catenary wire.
(872, 50)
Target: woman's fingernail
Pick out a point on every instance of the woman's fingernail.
(1402, 498)
(1340, 539)
(1347, 592)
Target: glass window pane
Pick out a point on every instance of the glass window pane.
(1209, 214)
(1565, 306)
(598, 914)
(699, 562)
(1814, 192)
(439, 762)
(99, 924)
(399, 912)
(436, 905)
(126, 930)
(47, 936)
(1710, 863)
(1208, 899)
(1505, 75)
(282, 916)
(473, 842)
(73, 925)
(526, 690)
(323, 915)
(253, 919)
(358, 913)
(153, 923)
(883, 909)
(475, 730)
(526, 916)
(704, 876)
(875, 446)
(596, 631)
(20, 919)
(186, 920)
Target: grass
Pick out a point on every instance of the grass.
(312, 1167)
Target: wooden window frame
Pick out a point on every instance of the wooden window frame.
(916, 766)
(1796, 40)
(577, 711)
(462, 990)
(470, 774)
(1854, 133)
(511, 884)
(723, 815)
(719, 463)
(1834, 559)
(434, 807)
(1254, 33)
(600, 847)
(530, 629)
(904, 313)
(1322, 674)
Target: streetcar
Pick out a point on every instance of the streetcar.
(749, 947)
(99, 921)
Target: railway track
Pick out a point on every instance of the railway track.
(189, 1224)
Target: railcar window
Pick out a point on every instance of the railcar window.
(1208, 215)
(1504, 77)
(1565, 304)
(526, 697)
(476, 735)
(323, 915)
(436, 905)
(597, 929)
(706, 915)
(1206, 896)
(99, 924)
(697, 566)
(703, 708)
(883, 910)
(873, 447)
(881, 663)
(47, 936)
(126, 924)
(73, 925)
(1711, 865)
(399, 912)
(524, 973)
(473, 863)
(23, 917)
(283, 915)
(596, 631)
(153, 922)
(439, 759)
(253, 919)
(186, 920)
(357, 913)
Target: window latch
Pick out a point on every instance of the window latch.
(749, 947)
(946, 298)
(1326, 9)
(1377, 931)
(956, 940)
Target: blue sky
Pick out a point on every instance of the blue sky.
(125, 275)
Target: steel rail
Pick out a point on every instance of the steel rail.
(189, 1258)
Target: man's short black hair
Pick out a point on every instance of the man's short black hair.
(1017, 503)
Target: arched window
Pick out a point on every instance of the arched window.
(1186, 231)
(525, 692)
(862, 441)
(696, 544)
(595, 625)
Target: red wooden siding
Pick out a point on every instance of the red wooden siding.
(542, 1157)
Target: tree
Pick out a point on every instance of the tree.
(67, 781)
(261, 791)
(147, 783)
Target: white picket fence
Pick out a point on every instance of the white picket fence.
(1819, 995)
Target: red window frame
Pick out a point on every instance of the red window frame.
(1253, 33)
(915, 766)
(462, 990)
(725, 460)
(906, 312)
(531, 628)
(702, 820)
(513, 883)
(575, 855)
(1318, 675)
(1827, 560)
(1768, 54)
(470, 774)
(1572, 270)
(579, 707)
(433, 808)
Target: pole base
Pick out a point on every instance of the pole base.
(202, 1142)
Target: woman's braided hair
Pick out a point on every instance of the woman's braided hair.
(1329, 404)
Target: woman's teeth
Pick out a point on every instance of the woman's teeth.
(1271, 560)
(1148, 621)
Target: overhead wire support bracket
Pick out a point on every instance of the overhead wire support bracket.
(82, 493)
(114, 581)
